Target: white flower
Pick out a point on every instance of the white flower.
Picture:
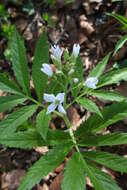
(56, 102)
(91, 82)
(76, 80)
(46, 68)
(56, 52)
(76, 49)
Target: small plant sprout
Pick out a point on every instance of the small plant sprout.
(46, 68)
(56, 52)
(76, 50)
(56, 102)
(91, 82)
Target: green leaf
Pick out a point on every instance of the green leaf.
(31, 138)
(41, 56)
(104, 140)
(113, 77)
(9, 86)
(58, 137)
(15, 119)
(101, 180)
(79, 69)
(120, 18)
(120, 44)
(42, 167)
(24, 140)
(100, 67)
(107, 95)
(19, 62)
(113, 161)
(42, 123)
(74, 175)
(91, 106)
(9, 102)
(111, 114)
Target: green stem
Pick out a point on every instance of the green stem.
(67, 122)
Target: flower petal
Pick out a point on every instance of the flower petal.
(46, 68)
(76, 50)
(91, 82)
(56, 52)
(51, 108)
(49, 97)
(60, 97)
(61, 109)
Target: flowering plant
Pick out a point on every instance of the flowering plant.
(58, 86)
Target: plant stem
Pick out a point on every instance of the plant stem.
(71, 132)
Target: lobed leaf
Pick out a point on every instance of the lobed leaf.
(31, 138)
(74, 174)
(9, 102)
(101, 180)
(24, 140)
(107, 95)
(100, 67)
(113, 161)
(88, 104)
(15, 119)
(42, 123)
(104, 140)
(19, 62)
(41, 56)
(9, 86)
(44, 165)
(111, 114)
(113, 77)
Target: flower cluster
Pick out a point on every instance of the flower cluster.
(57, 101)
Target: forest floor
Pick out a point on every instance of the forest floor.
(84, 22)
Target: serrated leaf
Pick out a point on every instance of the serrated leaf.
(91, 106)
(111, 114)
(120, 44)
(113, 77)
(42, 123)
(107, 95)
(104, 140)
(101, 180)
(113, 161)
(100, 67)
(19, 62)
(74, 174)
(9, 102)
(41, 56)
(9, 86)
(42, 167)
(31, 138)
(24, 140)
(58, 137)
(15, 119)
